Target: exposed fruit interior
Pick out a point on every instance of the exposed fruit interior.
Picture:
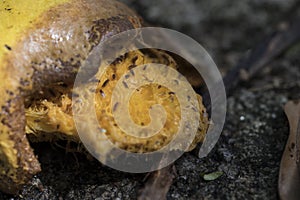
(51, 117)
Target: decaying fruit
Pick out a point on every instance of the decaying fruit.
(42, 46)
(44, 43)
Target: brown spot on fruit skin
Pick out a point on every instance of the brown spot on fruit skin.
(8, 47)
(50, 52)
(27, 163)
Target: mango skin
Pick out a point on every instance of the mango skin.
(42, 43)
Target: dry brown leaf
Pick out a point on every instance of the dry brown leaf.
(289, 175)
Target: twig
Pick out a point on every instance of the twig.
(158, 184)
(273, 46)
